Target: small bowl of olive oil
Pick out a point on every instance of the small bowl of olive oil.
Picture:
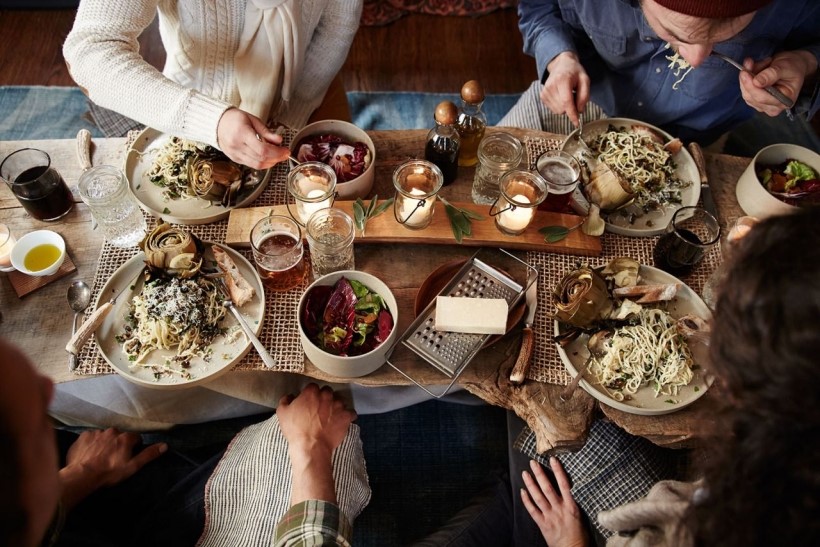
(38, 253)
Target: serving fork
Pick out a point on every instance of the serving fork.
(773, 91)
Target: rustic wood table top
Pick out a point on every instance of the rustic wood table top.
(40, 322)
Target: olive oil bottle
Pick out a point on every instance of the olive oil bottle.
(472, 121)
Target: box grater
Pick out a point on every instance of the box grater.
(480, 277)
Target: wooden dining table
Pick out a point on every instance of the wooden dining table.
(40, 322)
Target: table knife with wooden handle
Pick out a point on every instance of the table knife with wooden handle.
(522, 364)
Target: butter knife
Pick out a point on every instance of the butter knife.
(522, 364)
(705, 190)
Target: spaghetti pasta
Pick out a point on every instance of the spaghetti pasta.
(176, 314)
(648, 352)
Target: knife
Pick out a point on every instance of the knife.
(522, 364)
(705, 190)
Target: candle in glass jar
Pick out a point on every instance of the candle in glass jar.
(7, 241)
(517, 219)
(307, 208)
(410, 213)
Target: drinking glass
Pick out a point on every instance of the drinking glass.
(497, 154)
(313, 185)
(521, 193)
(279, 253)
(691, 232)
(104, 189)
(7, 241)
(417, 182)
(38, 187)
(330, 234)
(562, 173)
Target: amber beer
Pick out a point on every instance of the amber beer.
(562, 173)
(280, 261)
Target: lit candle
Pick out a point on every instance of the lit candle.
(410, 213)
(7, 241)
(307, 208)
(516, 220)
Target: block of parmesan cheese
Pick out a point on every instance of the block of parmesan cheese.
(471, 315)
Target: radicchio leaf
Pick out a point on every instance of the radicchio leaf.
(315, 303)
(339, 317)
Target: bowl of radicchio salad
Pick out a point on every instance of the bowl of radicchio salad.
(347, 149)
(347, 323)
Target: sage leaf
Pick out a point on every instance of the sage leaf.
(358, 213)
(372, 205)
(472, 215)
(554, 234)
(381, 207)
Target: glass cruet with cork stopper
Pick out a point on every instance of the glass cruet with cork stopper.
(471, 122)
(444, 142)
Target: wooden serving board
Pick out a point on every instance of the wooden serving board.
(385, 229)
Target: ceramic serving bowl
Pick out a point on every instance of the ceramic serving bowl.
(752, 195)
(361, 185)
(34, 239)
(359, 365)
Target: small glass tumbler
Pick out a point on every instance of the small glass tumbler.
(330, 234)
(7, 241)
(562, 173)
(691, 232)
(38, 187)
(104, 189)
(521, 193)
(497, 154)
(417, 182)
(313, 185)
(279, 253)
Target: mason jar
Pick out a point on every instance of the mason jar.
(498, 153)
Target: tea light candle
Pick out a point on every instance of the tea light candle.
(516, 220)
(7, 241)
(410, 213)
(307, 208)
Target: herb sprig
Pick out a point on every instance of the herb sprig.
(461, 220)
(362, 214)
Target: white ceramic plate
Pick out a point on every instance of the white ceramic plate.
(575, 354)
(225, 353)
(138, 162)
(647, 224)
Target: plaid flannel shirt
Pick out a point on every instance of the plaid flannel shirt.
(313, 522)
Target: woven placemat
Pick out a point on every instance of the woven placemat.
(546, 363)
(280, 333)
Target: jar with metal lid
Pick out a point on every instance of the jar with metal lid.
(498, 153)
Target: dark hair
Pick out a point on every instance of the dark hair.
(763, 476)
(13, 517)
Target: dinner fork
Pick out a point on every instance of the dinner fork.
(227, 302)
(773, 91)
(586, 151)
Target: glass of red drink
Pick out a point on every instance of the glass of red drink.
(562, 172)
(691, 232)
(279, 252)
(38, 187)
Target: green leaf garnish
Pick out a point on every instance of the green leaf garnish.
(166, 211)
(553, 234)
(461, 220)
(362, 214)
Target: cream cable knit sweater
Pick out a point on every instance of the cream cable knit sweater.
(200, 37)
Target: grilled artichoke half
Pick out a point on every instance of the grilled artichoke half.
(581, 298)
(172, 252)
(212, 176)
(606, 189)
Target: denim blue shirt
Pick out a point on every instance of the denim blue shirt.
(628, 66)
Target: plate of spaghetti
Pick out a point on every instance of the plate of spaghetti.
(638, 174)
(173, 332)
(644, 364)
(185, 182)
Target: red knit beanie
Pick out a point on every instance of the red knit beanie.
(713, 9)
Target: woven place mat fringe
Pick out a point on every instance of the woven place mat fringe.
(279, 335)
(546, 364)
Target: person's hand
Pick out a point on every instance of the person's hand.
(555, 513)
(314, 424)
(247, 140)
(566, 90)
(315, 420)
(786, 71)
(103, 458)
